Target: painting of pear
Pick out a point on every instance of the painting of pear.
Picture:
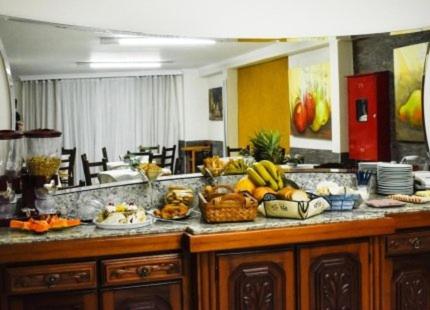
(322, 113)
(411, 111)
(408, 72)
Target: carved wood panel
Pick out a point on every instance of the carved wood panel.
(335, 276)
(257, 286)
(335, 282)
(157, 296)
(57, 301)
(411, 283)
(256, 280)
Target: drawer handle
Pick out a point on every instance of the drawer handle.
(52, 279)
(145, 271)
(394, 244)
(81, 276)
(415, 242)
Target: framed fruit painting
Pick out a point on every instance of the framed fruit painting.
(310, 105)
(408, 72)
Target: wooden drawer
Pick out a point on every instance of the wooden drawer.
(141, 269)
(46, 278)
(407, 243)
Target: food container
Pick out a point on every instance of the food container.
(179, 194)
(43, 156)
(11, 153)
(343, 202)
(223, 206)
(296, 209)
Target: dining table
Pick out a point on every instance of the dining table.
(192, 150)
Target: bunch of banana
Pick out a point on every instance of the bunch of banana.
(235, 166)
(266, 173)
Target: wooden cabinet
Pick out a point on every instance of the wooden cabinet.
(256, 280)
(48, 278)
(159, 296)
(141, 269)
(335, 276)
(55, 301)
(406, 270)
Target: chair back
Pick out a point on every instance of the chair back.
(154, 149)
(104, 153)
(87, 168)
(168, 158)
(231, 150)
(68, 166)
(141, 154)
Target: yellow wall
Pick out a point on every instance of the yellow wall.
(263, 100)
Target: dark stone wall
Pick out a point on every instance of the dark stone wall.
(316, 156)
(375, 53)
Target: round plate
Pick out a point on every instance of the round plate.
(148, 222)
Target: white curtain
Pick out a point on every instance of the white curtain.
(117, 113)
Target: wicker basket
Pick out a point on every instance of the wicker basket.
(228, 207)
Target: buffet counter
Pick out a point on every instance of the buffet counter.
(360, 259)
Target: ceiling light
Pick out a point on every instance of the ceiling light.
(158, 41)
(124, 65)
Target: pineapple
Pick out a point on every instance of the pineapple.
(266, 145)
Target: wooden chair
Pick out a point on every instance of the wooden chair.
(68, 166)
(154, 149)
(141, 154)
(235, 150)
(87, 168)
(104, 153)
(168, 158)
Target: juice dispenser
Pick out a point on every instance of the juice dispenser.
(43, 159)
(11, 153)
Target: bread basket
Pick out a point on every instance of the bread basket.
(227, 206)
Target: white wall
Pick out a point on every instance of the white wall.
(196, 106)
(226, 18)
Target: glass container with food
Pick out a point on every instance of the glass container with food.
(11, 153)
(43, 158)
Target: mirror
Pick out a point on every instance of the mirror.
(109, 92)
(426, 100)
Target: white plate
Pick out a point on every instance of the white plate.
(148, 222)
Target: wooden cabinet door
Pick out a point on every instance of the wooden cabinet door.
(335, 276)
(55, 301)
(256, 280)
(410, 285)
(159, 296)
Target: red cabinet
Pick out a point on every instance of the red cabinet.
(369, 117)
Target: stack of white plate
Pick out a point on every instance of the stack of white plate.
(395, 179)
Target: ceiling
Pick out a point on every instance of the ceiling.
(230, 19)
(41, 49)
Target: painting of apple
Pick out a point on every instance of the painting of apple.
(309, 102)
(310, 107)
(300, 118)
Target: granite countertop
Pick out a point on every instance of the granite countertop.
(195, 225)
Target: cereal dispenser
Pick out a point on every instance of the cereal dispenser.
(43, 159)
(10, 167)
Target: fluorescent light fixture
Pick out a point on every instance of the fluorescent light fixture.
(160, 41)
(124, 65)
